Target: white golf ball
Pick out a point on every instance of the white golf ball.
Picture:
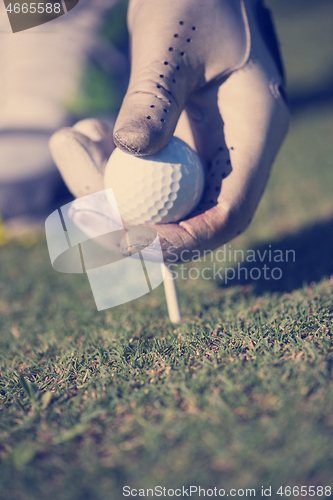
(156, 189)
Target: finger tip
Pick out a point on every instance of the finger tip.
(132, 140)
(139, 139)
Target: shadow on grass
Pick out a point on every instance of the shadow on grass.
(311, 261)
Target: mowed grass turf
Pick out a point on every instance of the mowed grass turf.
(240, 395)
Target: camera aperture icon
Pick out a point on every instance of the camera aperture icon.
(87, 235)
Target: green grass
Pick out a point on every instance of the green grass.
(239, 396)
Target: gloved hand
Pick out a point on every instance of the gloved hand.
(210, 73)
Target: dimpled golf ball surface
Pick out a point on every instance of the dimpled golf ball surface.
(156, 189)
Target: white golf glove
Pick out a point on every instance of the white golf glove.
(210, 73)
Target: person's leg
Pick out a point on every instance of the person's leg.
(39, 70)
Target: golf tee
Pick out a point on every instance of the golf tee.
(171, 294)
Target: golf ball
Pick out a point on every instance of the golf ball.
(156, 189)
